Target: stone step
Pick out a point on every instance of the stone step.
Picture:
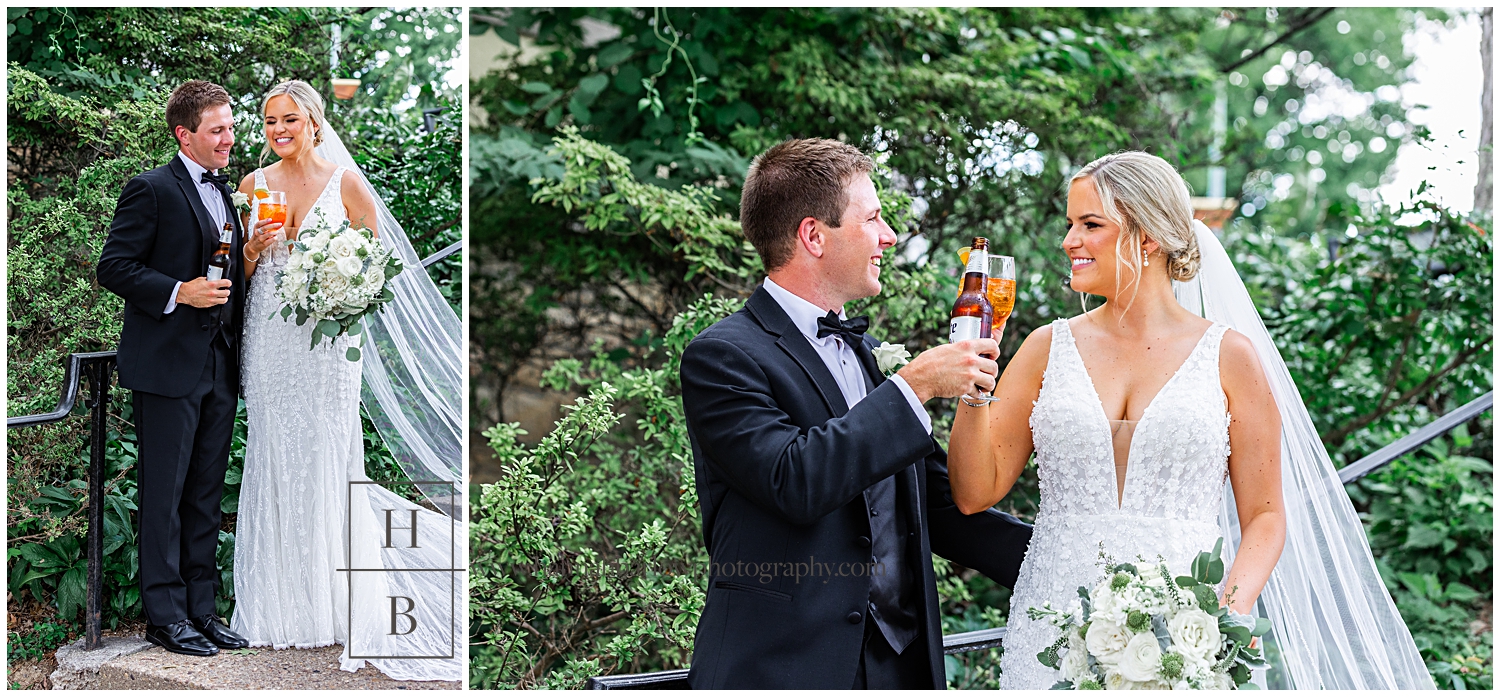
(129, 663)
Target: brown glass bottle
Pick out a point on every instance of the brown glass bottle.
(972, 311)
(218, 264)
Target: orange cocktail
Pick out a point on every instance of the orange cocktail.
(1002, 294)
(272, 205)
(1001, 290)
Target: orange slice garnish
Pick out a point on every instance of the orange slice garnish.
(262, 193)
(963, 255)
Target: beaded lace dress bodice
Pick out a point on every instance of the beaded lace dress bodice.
(1173, 493)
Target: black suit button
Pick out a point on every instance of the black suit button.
(854, 617)
(863, 542)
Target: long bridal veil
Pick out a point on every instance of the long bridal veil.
(406, 585)
(1333, 623)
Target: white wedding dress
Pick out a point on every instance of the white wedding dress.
(1169, 510)
(1333, 623)
(307, 514)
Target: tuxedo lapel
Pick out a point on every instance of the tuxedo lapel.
(909, 490)
(208, 238)
(773, 319)
(867, 361)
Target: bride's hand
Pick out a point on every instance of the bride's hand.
(262, 237)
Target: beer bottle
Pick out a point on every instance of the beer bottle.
(218, 264)
(972, 311)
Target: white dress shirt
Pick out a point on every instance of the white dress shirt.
(838, 356)
(212, 200)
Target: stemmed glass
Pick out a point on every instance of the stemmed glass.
(272, 206)
(1001, 291)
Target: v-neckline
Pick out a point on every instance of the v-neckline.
(321, 192)
(1140, 423)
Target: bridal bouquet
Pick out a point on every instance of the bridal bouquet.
(1140, 628)
(335, 277)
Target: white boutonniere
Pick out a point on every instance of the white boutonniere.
(889, 357)
(240, 201)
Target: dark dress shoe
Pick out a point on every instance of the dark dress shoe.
(180, 637)
(219, 633)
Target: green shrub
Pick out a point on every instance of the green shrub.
(1430, 518)
(43, 638)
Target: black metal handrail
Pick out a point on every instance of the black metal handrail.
(1417, 438)
(442, 253)
(991, 638)
(677, 679)
(99, 368)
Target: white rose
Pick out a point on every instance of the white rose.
(1075, 665)
(1142, 658)
(335, 288)
(342, 247)
(1195, 633)
(1115, 681)
(374, 279)
(1106, 640)
(349, 266)
(240, 200)
(889, 357)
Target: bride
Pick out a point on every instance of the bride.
(322, 555)
(1139, 413)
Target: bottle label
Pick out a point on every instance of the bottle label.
(215, 273)
(979, 262)
(964, 328)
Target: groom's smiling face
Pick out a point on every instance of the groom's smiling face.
(210, 144)
(852, 257)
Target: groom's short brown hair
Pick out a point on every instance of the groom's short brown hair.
(186, 105)
(797, 179)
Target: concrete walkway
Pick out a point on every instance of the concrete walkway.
(129, 663)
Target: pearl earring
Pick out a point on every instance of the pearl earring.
(1145, 259)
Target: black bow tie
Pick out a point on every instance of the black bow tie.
(220, 179)
(852, 330)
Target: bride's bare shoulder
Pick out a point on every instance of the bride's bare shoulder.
(1239, 365)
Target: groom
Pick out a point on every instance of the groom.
(179, 355)
(822, 490)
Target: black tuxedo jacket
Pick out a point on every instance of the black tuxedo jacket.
(163, 234)
(781, 465)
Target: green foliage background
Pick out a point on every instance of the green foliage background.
(87, 90)
(605, 166)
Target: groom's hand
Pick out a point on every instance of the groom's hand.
(201, 292)
(950, 370)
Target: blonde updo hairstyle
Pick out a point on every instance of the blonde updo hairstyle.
(307, 99)
(1147, 198)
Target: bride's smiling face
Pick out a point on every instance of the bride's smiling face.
(288, 129)
(1090, 243)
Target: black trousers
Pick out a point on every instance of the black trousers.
(881, 668)
(184, 452)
